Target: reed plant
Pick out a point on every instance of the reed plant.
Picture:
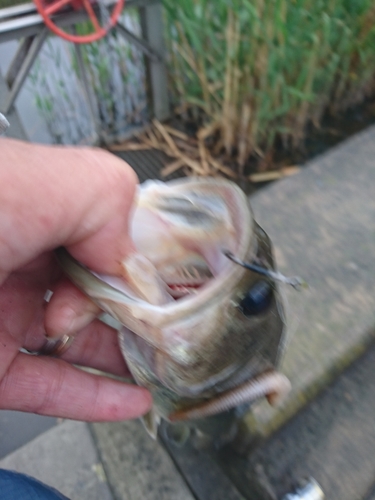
(256, 71)
(11, 3)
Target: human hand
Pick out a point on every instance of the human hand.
(79, 198)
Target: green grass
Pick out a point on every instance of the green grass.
(258, 70)
(11, 3)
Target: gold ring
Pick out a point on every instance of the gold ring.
(56, 347)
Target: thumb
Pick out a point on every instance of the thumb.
(80, 198)
(102, 238)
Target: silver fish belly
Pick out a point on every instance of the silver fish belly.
(201, 332)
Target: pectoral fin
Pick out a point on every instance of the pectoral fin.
(151, 423)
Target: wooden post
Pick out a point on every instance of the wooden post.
(152, 31)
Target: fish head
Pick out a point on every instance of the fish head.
(195, 323)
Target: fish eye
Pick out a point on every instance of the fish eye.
(257, 299)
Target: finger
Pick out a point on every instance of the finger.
(104, 249)
(97, 347)
(80, 198)
(21, 304)
(68, 311)
(53, 387)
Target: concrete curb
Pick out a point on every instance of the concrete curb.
(322, 223)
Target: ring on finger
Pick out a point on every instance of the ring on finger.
(56, 347)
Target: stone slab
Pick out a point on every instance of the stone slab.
(137, 467)
(201, 471)
(331, 440)
(322, 224)
(370, 494)
(63, 457)
(18, 428)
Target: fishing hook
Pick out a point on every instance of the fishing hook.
(294, 281)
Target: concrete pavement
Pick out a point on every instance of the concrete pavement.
(66, 458)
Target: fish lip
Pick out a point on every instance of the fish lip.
(163, 315)
(157, 315)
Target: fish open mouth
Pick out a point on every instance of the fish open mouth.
(181, 234)
(179, 231)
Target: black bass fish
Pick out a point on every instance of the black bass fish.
(201, 331)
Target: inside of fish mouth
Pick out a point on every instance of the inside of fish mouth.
(186, 278)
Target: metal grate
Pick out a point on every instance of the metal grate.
(148, 164)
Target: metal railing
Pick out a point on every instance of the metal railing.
(22, 22)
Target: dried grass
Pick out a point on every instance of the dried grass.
(189, 154)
